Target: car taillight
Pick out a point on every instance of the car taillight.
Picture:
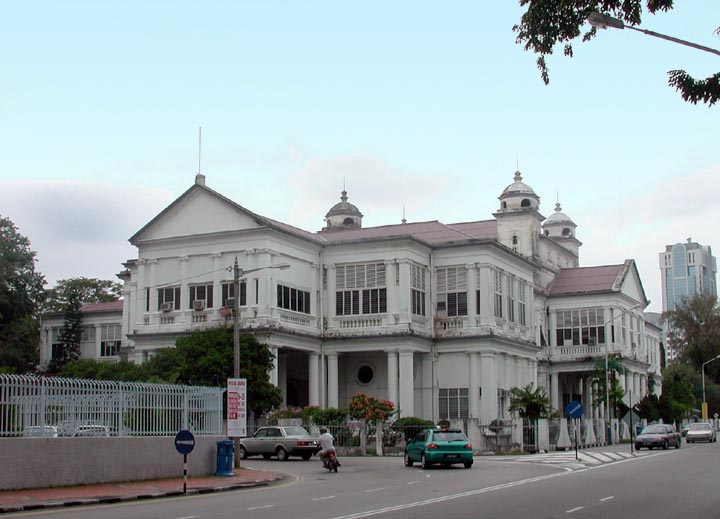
(432, 446)
(468, 446)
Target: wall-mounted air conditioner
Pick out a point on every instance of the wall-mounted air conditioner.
(167, 307)
(199, 305)
(230, 302)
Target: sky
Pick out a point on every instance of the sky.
(423, 107)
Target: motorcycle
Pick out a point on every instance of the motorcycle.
(331, 461)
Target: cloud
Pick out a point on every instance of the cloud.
(379, 191)
(640, 227)
(79, 228)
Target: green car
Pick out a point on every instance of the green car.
(439, 446)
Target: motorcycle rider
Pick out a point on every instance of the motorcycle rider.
(326, 445)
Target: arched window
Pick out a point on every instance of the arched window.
(348, 222)
(525, 203)
(567, 231)
(503, 205)
(547, 233)
(514, 240)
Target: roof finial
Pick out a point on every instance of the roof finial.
(403, 218)
(199, 150)
(557, 201)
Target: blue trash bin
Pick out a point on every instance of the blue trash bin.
(225, 451)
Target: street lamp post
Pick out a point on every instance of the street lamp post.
(237, 274)
(704, 403)
(603, 21)
(608, 427)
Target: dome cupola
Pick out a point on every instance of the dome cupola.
(343, 215)
(559, 225)
(518, 196)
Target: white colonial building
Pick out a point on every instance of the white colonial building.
(442, 319)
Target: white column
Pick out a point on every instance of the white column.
(392, 377)
(185, 288)
(472, 288)
(282, 377)
(474, 391)
(488, 381)
(486, 295)
(274, 370)
(404, 292)
(554, 401)
(427, 385)
(407, 384)
(217, 279)
(332, 377)
(313, 380)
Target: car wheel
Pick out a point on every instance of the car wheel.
(408, 461)
(424, 462)
(306, 456)
(666, 445)
(637, 448)
(282, 454)
(242, 453)
(468, 464)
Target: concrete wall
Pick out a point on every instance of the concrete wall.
(50, 462)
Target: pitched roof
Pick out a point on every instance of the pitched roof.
(584, 280)
(431, 233)
(93, 308)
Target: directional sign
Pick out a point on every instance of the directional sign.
(574, 409)
(184, 442)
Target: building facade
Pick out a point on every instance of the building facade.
(442, 319)
(687, 269)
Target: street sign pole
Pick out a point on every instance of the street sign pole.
(184, 473)
(184, 444)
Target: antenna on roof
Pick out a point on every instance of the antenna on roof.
(403, 218)
(199, 149)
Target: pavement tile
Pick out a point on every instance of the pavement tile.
(35, 499)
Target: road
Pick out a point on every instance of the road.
(657, 484)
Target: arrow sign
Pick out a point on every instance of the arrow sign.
(184, 442)
(574, 409)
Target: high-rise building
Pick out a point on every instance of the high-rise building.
(687, 269)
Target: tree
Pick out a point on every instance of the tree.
(694, 332)
(205, 358)
(547, 23)
(531, 404)
(89, 290)
(21, 294)
(68, 348)
(123, 370)
(678, 397)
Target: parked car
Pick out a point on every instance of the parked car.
(658, 435)
(280, 441)
(439, 446)
(91, 430)
(40, 431)
(700, 431)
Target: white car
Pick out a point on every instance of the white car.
(700, 431)
(40, 431)
(91, 430)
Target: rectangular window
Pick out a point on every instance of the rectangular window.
(360, 289)
(583, 326)
(109, 340)
(228, 291)
(88, 334)
(454, 403)
(511, 298)
(203, 294)
(147, 299)
(169, 296)
(417, 289)
(293, 299)
(522, 317)
(452, 290)
(498, 293)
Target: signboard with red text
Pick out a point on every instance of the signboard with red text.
(237, 407)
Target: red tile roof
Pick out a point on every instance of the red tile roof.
(586, 279)
(432, 232)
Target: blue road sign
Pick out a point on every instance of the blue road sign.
(184, 442)
(574, 409)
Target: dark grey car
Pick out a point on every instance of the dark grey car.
(658, 435)
(280, 441)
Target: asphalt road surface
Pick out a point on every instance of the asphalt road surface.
(657, 484)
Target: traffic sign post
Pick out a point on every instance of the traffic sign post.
(184, 444)
(575, 410)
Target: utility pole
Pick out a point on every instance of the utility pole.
(236, 340)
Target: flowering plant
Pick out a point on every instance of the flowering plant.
(368, 408)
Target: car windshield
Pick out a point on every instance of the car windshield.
(296, 431)
(655, 429)
(699, 426)
(449, 436)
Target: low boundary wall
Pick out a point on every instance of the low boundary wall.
(54, 462)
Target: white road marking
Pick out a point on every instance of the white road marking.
(608, 498)
(574, 509)
(375, 489)
(323, 498)
(259, 507)
(412, 482)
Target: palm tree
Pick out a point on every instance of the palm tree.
(615, 370)
(531, 404)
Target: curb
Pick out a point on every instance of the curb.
(4, 509)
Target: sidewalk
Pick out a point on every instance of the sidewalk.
(23, 500)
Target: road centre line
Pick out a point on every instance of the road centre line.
(574, 509)
(375, 489)
(323, 498)
(259, 507)
(189, 517)
(412, 482)
(608, 498)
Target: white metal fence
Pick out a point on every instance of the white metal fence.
(29, 403)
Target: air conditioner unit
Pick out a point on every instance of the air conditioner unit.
(199, 305)
(167, 307)
(230, 302)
